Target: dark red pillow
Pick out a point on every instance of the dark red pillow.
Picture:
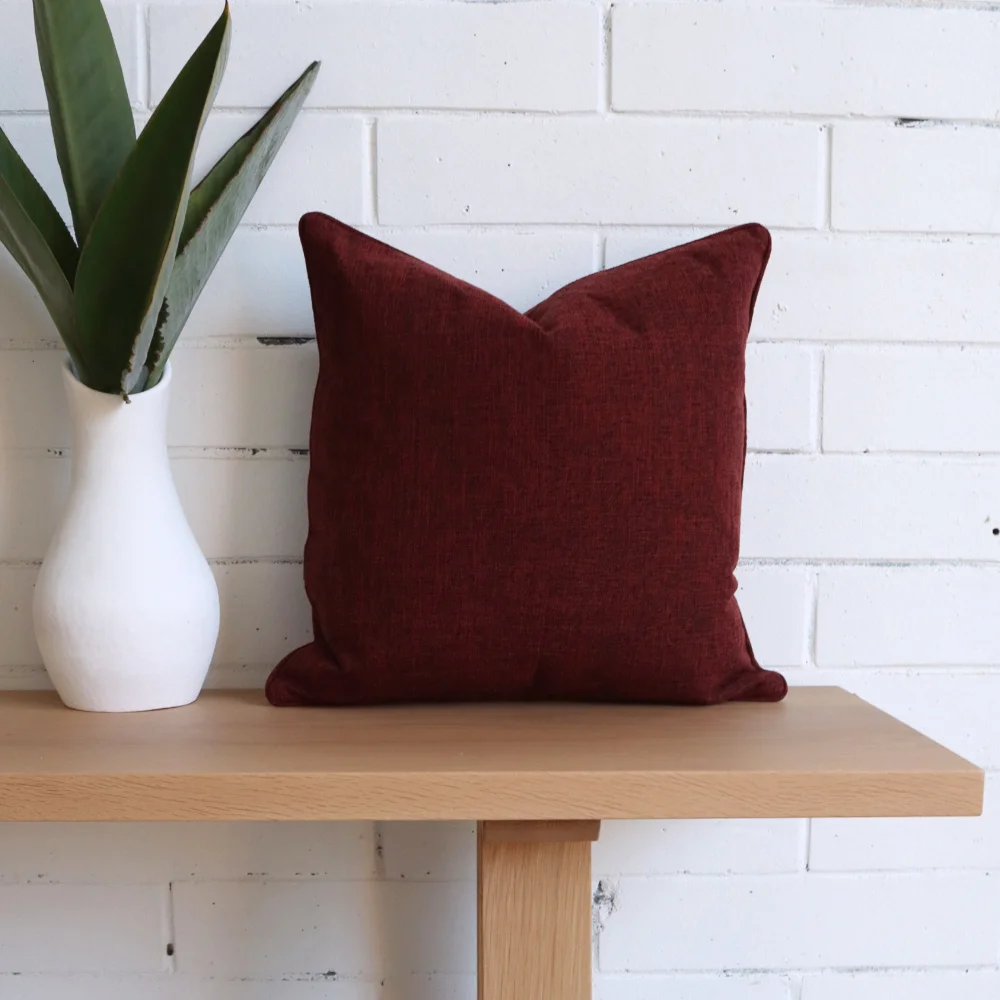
(537, 506)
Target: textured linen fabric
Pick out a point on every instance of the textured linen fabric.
(527, 506)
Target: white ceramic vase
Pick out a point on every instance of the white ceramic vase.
(126, 608)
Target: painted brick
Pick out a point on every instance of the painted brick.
(321, 987)
(522, 268)
(25, 318)
(444, 169)
(105, 987)
(887, 844)
(21, 87)
(924, 399)
(779, 398)
(427, 851)
(442, 986)
(870, 507)
(931, 178)
(258, 289)
(693, 987)
(245, 509)
(17, 585)
(803, 922)
(845, 287)
(168, 852)
(967, 984)
(269, 929)
(258, 397)
(525, 56)
(773, 600)
(21, 678)
(265, 614)
(30, 507)
(908, 616)
(82, 928)
(623, 245)
(703, 847)
(320, 167)
(25, 377)
(805, 59)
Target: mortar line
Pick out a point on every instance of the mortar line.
(819, 389)
(171, 930)
(370, 170)
(812, 616)
(826, 174)
(604, 62)
(145, 56)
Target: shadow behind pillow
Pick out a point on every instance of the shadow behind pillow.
(508, 506)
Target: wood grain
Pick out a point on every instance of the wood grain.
(534, 914)
(230, 756)
(522, 831)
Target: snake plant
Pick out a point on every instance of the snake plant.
(121, 286)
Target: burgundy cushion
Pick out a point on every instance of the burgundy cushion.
(527, 506)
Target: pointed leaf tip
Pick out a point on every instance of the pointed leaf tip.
(89, 107)
(127, 260)
(215, 209)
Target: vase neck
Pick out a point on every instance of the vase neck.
(110, 433)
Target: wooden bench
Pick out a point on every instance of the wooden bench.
(538, 778)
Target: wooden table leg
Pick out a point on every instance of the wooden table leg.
(535, 910)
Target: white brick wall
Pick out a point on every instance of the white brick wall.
(521, 145)
(927, 399)
(871, 507)
(804, 921)
(730, 986)
(97, 928)
(969, 984)
(916, 177)
(517, 57)
(589, 169)
(812, 59)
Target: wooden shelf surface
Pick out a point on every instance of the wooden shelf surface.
(229, 756)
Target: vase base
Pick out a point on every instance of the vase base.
(111, 694)
(125, 705)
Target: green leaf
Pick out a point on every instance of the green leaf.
(88, 101)
(127, 260)
(38, 207)
(28, 246)
(214, 211)
(35, 234)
